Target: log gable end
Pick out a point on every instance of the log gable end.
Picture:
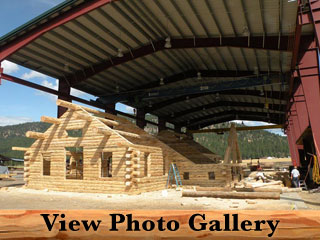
(86, 150)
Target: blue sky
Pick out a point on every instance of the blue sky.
(18, 103)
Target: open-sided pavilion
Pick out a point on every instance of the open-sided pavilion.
(192, 63)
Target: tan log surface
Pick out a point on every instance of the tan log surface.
(236, 195)
(258, 185)
(23, 149)
(50, 120)
(228, 189)
(31, 134)
(22, 224)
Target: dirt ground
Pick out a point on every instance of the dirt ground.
(312, 200)
(14, 196)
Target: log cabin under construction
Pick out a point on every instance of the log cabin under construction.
(86, 150)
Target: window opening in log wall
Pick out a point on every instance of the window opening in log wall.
(46, 164)
(74, 133)
(146, 163)
(211, 176)
(106, 164)
(186, 175)
(233, 173)
(74, 162)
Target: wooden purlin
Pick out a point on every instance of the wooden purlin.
(110, 131)
(36, 135)
(90, 118)
(22, 149)
(51, 120)
(90, 110)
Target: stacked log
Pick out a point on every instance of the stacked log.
(245, 189)
(50, 120)
(234, 195)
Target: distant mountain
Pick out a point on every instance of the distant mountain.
(15, 136)
(253, 144)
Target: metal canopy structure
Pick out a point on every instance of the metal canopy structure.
(170, 58)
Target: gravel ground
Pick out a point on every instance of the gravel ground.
(13, 195)
(312, 200)
(22, 198)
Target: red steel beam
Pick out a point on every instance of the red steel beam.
(284, 43)
(315, 13)
(28, 37)
(47, 90)
(55, 92)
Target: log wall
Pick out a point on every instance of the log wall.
(93, 144)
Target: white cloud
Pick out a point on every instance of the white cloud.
(129, 109)
(9, 67)
(4, 121)
(33, 74)
(54, 85)
(77, 93)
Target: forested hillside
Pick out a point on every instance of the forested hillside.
(253, 144)
(14, 135)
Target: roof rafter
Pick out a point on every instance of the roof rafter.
(194, 73)
(227, 119)
(277, 107)
(31, 35)
(254, 93)
(184, 43)
(233, 114)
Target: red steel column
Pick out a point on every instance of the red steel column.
(312, 94)
(294, 146)
(295, 120)
(291, 147)
(64, 94)
(309, 74)
(301, 108)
